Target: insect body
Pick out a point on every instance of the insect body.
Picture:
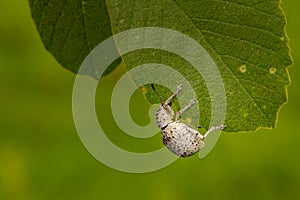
(178, 137)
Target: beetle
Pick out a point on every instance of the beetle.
(178, 137)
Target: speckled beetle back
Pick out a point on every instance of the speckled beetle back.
(178, 137)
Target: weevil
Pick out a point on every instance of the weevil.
(178, 137)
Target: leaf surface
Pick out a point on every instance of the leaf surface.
(70, 29)
(245, 38)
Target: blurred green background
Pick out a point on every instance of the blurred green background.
(42, 157)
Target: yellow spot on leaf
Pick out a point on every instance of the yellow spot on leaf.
(264, 107)
(272, 70)
(189, 120)
(143, 89)
(243, 68)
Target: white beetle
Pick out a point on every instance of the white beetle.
(178, 137)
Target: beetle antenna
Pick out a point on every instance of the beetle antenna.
(156, 93)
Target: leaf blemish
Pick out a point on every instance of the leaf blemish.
(272, 70)
(264, 107)
(189, 120)
(144, 90)
(243, 68)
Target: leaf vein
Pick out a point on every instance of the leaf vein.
(69, 31)
(258, 84)
(248, 7)
(248, 93)
(245, 41)
(239, 25)
(42, 11)
(56, 23)
(85, 26)
(265, 100)
(262, 2)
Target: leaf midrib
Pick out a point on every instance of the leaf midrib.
(85, 27)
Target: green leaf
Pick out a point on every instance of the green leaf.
(70, 29)
(245, 38)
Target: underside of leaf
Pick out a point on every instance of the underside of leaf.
(245, 38)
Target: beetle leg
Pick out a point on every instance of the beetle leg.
(214, 128)
(192, 102)
(178, 90)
